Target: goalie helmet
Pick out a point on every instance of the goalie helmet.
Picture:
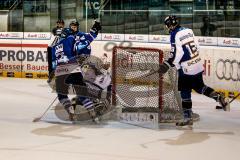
(171, 22)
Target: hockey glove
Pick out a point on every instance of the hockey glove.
(163, 68)
(106, 66)
(96, 27)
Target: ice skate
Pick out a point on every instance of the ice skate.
(93, 115)
(70, 111)
(185, 124)
(99, 107)
(187, 120)
(223, 101)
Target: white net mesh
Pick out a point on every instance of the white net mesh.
(140, 88)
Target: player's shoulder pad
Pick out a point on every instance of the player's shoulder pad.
(80, 33)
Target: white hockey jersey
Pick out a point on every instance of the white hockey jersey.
(185, 51)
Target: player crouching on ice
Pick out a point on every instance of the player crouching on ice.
(65, 56)
(185, 57)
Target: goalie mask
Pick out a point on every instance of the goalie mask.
(171, 22)
(90, 72)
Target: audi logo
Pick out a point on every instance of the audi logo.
(42, 36)
(228, 70)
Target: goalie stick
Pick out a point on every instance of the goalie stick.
(37, 119)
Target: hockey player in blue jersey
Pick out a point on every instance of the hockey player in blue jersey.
(65, 56)
(186, 58)
(82, 36)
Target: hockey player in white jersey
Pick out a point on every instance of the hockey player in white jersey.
(186, 58)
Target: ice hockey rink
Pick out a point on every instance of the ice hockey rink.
(215, 136)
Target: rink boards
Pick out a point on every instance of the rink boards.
(25, 55)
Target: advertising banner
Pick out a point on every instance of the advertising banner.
(136, 38)
(23, 60)
(28, 57)
(229, 42)
(226, 69)
(112, 37)
(207, 41)
(37, 35)
(11, 35)
(159, 38)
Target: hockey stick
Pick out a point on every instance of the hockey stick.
(220, 107)
(234, 98)
(37, 119)
(152, 72)
(92, 10)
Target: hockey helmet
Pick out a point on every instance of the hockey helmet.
(74, 23)
(60, 21)
(171, 22)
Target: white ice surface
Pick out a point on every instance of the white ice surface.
(215, 137)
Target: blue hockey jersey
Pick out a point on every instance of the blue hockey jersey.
(83, 41)
(66, 50)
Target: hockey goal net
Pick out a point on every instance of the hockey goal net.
(139, 88)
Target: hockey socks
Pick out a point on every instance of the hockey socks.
(87, 103)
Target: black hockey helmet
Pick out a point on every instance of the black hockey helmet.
(74, 23)
(171, 22)
(60, 21)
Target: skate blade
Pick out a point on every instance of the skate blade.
(96, 120)
(227, 108)
(186, 127)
